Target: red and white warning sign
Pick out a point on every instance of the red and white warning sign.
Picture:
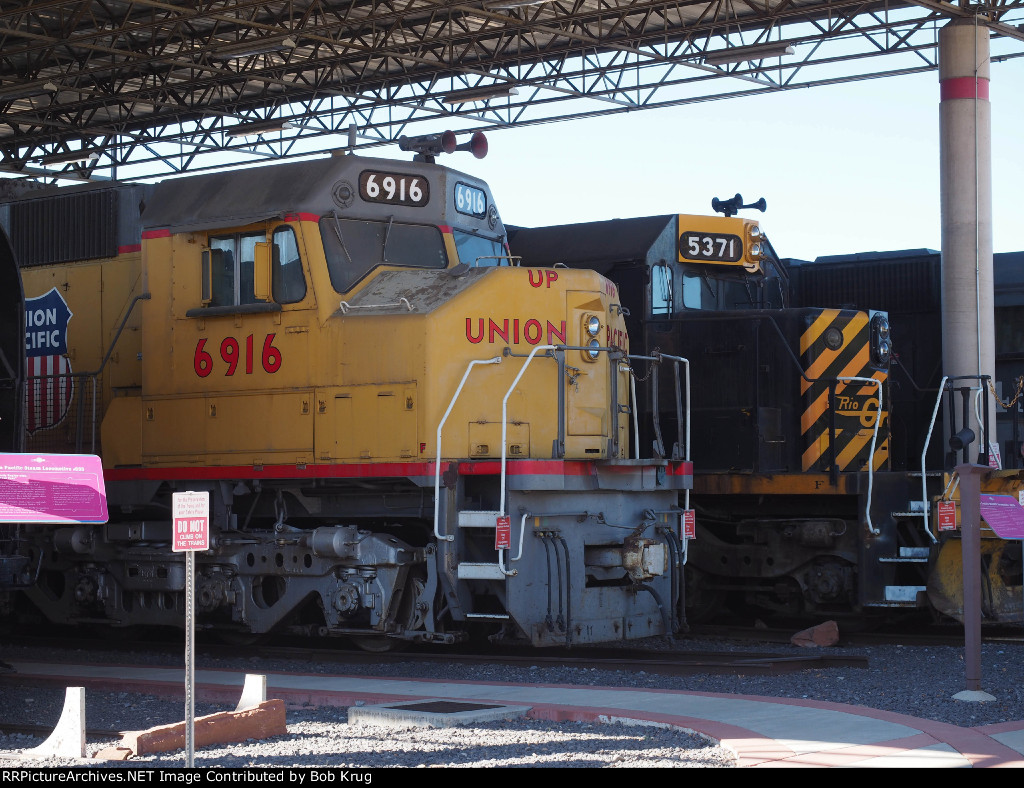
(191, 515)
(503, 534)
(689, 524)
(947, 515)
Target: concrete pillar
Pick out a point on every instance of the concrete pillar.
(968, 320)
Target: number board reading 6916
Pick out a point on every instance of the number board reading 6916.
(394, 188)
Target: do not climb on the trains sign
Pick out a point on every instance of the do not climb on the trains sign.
(191, 515)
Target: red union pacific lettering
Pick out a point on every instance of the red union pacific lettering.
(615, 337)
(511, 331)
(542, 277)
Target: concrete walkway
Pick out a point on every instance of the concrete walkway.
(763, 732)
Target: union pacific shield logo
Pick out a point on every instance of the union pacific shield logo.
(50, 385)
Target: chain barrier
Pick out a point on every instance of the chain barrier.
(1016, 395)
(650, 367)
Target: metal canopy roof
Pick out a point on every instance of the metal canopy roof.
(146, 89)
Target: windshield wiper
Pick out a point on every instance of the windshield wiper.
(337, 231)
(387, 234)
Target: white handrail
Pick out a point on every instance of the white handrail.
(874, 438)
(636, 423)
(686, 450)
(504, 418)
(519, 553)
(924, 450)
(345, 306)
(982, 427)
(437, 462)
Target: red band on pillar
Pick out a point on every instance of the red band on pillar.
(963, 88)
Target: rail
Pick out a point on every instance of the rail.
(437, 461)
(946, 388)
(519, 552)
(679, 416)
(632, 398)
(924, 450)
(45, 395)
(346, 307)
(874, 438)
(682, 414)
(33, 387)
(504, 416)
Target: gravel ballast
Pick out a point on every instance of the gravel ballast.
(914, 680)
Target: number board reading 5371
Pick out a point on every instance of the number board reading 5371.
(711, 247)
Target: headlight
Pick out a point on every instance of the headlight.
(593, 325)
(593, 352)
(755, 231)
(755, 250)
(881, 342)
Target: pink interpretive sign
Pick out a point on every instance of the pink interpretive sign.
(1004, 515)
(52, 488)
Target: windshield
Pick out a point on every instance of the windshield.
(354, 247)
(475, 250)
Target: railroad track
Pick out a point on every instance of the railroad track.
(665, 663)
(626, 659)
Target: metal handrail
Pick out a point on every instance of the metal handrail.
(345, 306)
(686, 448)
(874, 438)
(636, 424)
(437, 462)
(924, 451)
(504, 418)
(519, 553)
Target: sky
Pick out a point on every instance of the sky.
(844, 168)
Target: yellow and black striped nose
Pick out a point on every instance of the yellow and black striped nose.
(835, 345)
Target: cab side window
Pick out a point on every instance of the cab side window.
(476, 250)
(288, 285)
(661, 290)
(232, 274)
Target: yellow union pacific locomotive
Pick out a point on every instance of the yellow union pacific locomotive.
(404, 436)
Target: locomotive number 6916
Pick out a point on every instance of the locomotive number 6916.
(394, 188)
(230, 353)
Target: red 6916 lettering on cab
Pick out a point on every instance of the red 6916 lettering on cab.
(231, 354)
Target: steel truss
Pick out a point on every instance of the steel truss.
(144, 89)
